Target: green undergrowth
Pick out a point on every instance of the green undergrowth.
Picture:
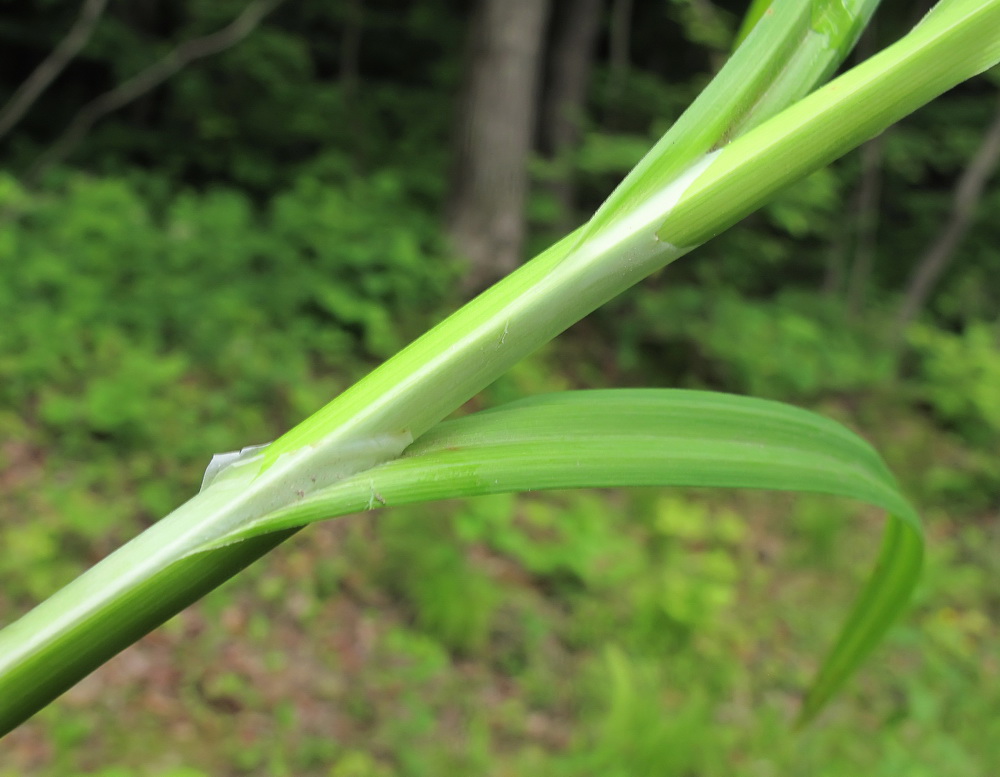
(208, 287)
(567, 633)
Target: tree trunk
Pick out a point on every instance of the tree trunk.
(490, 180)
(350, 46)
(576, 27)
(858, 241)
(866, 224)
(619, 52)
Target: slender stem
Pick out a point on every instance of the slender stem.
(956, 41)
(436, 374)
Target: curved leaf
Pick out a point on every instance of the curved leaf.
(646, 437)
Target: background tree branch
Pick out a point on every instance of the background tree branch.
(52, 65)
(965, 202)
(148, 79)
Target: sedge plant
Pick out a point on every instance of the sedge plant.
(759, 125)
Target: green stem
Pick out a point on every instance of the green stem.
(787, 54)
(956, 41)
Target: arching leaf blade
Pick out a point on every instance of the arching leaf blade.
(624, 437)
(649, 437)
(885, 595)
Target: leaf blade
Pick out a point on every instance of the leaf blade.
(624, 437)
(644, 437)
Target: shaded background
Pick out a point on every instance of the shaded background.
(219, 214)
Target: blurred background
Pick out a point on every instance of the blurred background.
(216, 214)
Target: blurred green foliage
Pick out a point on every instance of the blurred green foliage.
(960, 374)
(793, 345)
(128, 326)
(96, 283)
(221, 257)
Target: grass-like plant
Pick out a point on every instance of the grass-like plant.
(756, 128)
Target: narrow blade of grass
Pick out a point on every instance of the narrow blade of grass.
(647, 437)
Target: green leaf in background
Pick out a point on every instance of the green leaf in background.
(647, 437)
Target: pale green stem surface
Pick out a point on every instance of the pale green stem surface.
(956, 41)
(750, 18)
